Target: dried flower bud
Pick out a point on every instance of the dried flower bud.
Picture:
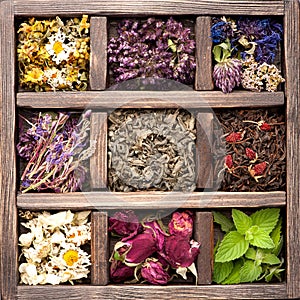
(251, 154)
(153, 272)
(259, 168)
(124, 223)
(228, 161)
(135, 250)
(227, 74)
(179, 251)
(265, 126)
(234, 137)
(181, 223)
(120, 272)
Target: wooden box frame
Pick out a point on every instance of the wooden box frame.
(10, 99)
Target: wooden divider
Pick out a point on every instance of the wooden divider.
(99, 248)
(98, 162)
(98, 50)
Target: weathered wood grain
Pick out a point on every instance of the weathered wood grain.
(8, 223)
(98, 162)
(98, 46)
(130, 292)
(152, 7)
(203, 80)
(204, 233)
(148, 200)
(292, 90)
(99, 248)
(204, 159)
(128, 99)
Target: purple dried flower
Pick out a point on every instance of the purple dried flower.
(179, 251)
(120, 272)
(227, 74)
(182, 223)
(124, 223)
(54, 146)
(152, 48)
(153, 272)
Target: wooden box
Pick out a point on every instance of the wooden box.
(100, 100)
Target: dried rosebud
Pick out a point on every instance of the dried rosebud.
(159, 234)
(259, 168)
(135, 250)
(182, 223)
(120, 272)
(124, 223)
(228, 162)
(265, 126)
(179, 251)
(251, 154)
(153, 271)
(234, 137)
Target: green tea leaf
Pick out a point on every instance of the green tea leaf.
(250, 271)
(232, 246)
(271, 259)
(234, 277)
(241, 221)
(262, 239)
(225, 223)
(266, 218)
(222, 271)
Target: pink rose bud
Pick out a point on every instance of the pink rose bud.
(158, 233)
(140, 247)
(124, 223)
(180, 251)
(120, 272)
(182, 223)
(153, 272)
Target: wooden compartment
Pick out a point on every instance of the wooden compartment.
(102, 101)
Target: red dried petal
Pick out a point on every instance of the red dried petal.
(259, 168)
(250, 153)
(234, 137)
(265, 127)
(228, 161)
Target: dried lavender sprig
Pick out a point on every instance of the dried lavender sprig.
(58, 146)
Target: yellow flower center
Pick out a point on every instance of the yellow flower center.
(57, 47)
(71, 257)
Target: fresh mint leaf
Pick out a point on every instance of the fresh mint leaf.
(222, 271)
(262, 240)
(249, 272)
(266, 218)
(277, 249)
(234, 277)
(276, 233)
(241, 221)
(271, 259)
(231, 247)
(225, 223)
(251, 253)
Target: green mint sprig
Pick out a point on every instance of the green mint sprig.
(250, 248)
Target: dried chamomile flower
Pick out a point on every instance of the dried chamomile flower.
(51, 248)
(53, 54)
(256, 77)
